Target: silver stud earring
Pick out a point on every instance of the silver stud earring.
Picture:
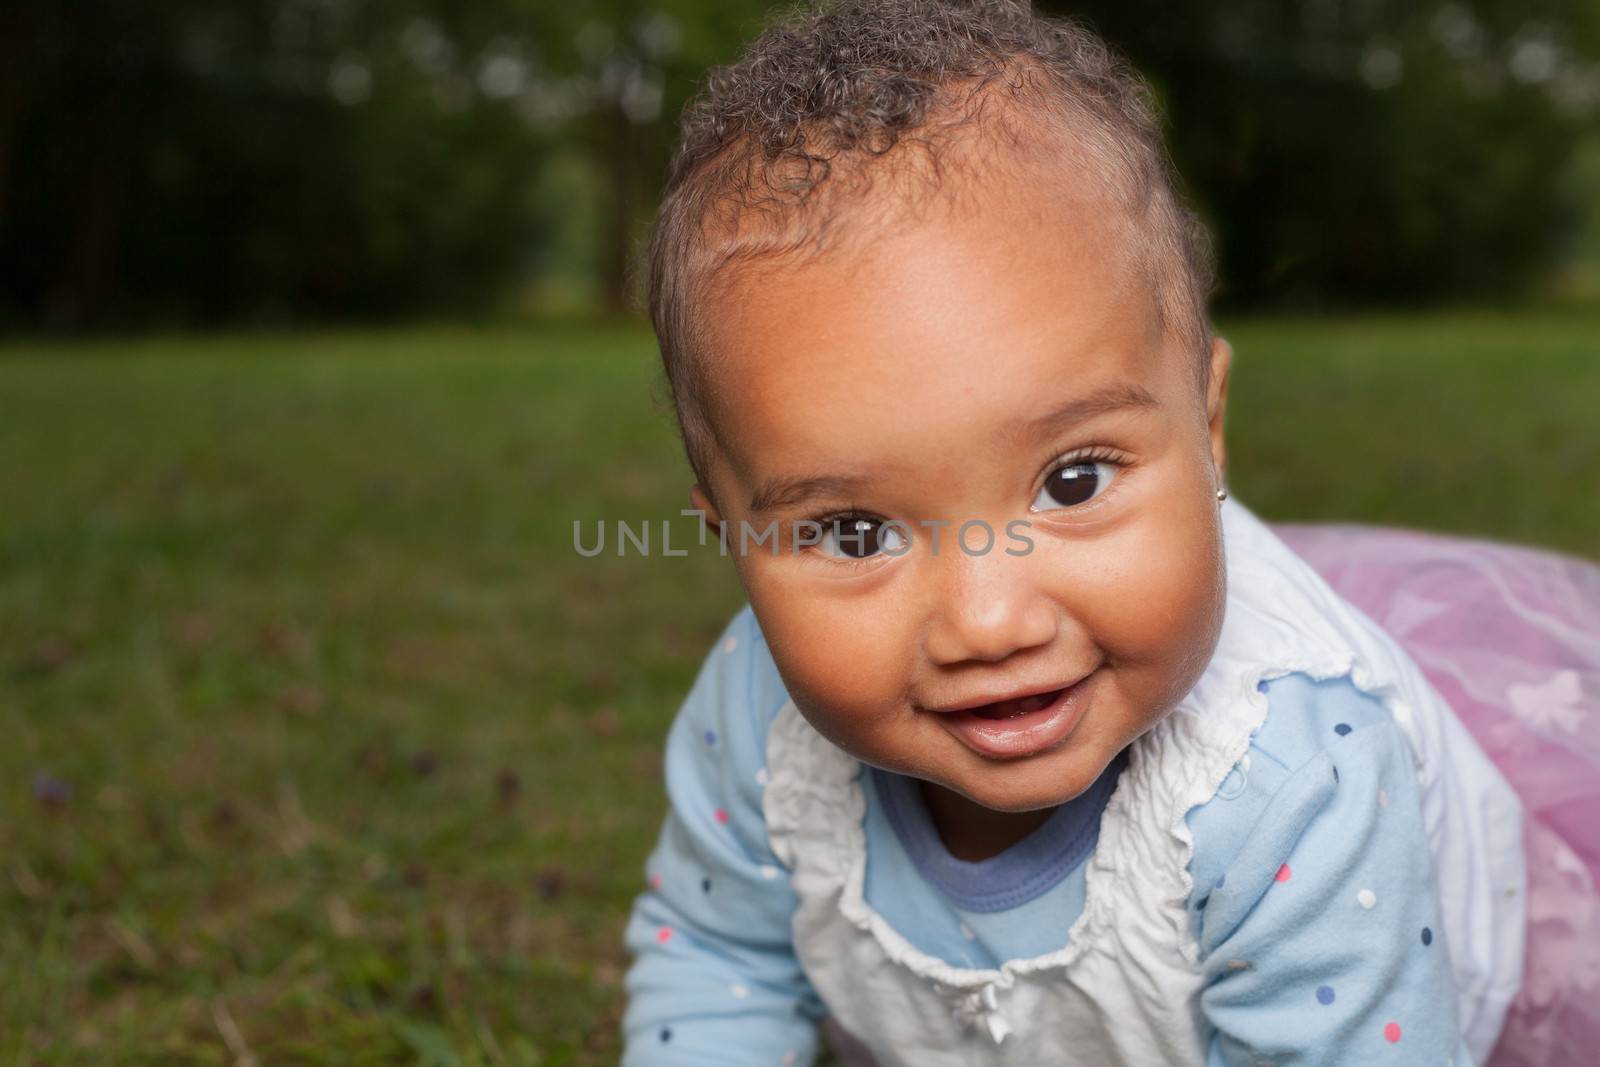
(1222, 494)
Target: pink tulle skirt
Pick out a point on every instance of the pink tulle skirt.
(1510, 636)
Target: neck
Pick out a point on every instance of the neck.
(972, 832)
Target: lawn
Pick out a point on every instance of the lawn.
(323, 746)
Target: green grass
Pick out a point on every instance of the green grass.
(321, 744)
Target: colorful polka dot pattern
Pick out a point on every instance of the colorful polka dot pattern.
(1365, 897)
(691, 894)
(736, 990)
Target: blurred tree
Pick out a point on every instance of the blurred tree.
(628, 67)
(267, 159)
(1376, 150)
(246, 159)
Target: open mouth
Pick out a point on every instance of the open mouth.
(1022, 726)
(1010, 709)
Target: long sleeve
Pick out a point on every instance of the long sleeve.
(1321, 939)
(715, 979)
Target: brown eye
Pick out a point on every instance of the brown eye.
(860, 537)
(1073, 484)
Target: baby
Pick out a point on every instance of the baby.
(1031, 746)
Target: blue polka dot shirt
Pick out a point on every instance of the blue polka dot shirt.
(1314, 901)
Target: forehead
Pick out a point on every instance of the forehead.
(932, 327)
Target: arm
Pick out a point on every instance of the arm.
(1323, 944)
(715, 979)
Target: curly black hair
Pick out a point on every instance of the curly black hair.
(778, 145)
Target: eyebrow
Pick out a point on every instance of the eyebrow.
(1121, 396)
(786, 492)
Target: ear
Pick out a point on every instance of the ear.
(1217, 404)
(699, 499)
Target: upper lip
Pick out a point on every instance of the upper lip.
(1011, 694)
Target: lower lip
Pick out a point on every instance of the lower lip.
(1024, 735)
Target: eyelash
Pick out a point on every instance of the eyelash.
(1094, 454)
(826, 521)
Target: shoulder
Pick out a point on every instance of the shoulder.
(738, 688)
(1327, 897)
(1306, 716)
(1314, 729)
(716, 751)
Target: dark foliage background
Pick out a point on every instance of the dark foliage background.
(1363, 152)
(245, 160)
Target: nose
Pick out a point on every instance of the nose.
(987, 609)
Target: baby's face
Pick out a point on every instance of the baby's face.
(995, 365)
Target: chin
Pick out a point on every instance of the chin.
(1008, 791)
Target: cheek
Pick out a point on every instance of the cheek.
(844, 664)
(1154, 602)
